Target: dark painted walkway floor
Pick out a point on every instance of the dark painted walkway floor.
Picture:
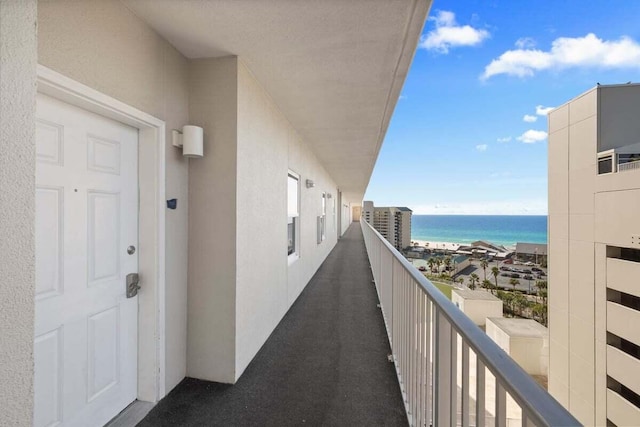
(325, 364)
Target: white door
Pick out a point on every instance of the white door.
(86, 218)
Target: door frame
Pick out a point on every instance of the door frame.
(151, 231)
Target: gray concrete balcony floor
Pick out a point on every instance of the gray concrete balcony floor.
(325, 363)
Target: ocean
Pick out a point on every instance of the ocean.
(500, 229)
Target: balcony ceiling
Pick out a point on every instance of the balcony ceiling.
(335, 68)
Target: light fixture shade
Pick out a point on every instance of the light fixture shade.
(192, 141)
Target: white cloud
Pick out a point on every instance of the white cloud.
(525, 43)
(482, 147)
(532, 136)
(541, 110)
(567, 52)
(529, 118)
(448, 34)
(401, 97)
(505, 139)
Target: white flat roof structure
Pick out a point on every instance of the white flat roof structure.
(525, 328)
(525, 340)
(468, 294)
(477, 305)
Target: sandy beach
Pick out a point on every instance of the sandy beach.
(450, 246)
(438, 245)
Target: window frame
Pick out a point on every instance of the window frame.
(323, 219)
(295, 219)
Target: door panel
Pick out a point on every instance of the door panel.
(86, 217)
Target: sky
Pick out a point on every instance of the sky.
(469, 132)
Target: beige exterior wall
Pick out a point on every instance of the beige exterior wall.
(240, 282)
(588, 213)
(266, 286)
(17, 201)
(531, 352)
(213, 105)
(405, 229)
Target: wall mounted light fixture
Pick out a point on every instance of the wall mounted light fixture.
(310, 184)
(191, 140)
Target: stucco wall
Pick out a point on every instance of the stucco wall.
(266, 285)
(478, 310)
(101, 44)
(17, 209)
(212, 221)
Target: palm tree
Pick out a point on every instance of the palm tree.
(447, 262)
(539, 312)
(473, 278)
(431, 263)
(514, 283)
(459, 280)
(495, 271)
(507, 299)
(484, 264)
(472, 284)
(521, 302)
(542, 290)
(487, 285)
(438, 263)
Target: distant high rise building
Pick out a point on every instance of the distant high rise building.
(594, 255)
(394, 223)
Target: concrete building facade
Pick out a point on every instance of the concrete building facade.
(594, 255)
(394, 223)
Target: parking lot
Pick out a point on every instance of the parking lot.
(527, 275)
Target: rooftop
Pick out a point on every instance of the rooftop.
(524, 328)
(475, 295)
(531, 248)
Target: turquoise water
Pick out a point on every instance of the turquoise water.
(499, 229)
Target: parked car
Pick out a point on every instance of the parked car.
(422, 268)
(528, 277)
(508, 261)
(536, 269)
(526, 271)
(542, 274)
(503, 268)
(506, 274)
(515, 275)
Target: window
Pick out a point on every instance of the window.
(322, 220)
(293, 214)
(324, 215)
(605, 165)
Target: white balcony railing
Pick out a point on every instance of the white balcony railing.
(444, 361)
(628, 166)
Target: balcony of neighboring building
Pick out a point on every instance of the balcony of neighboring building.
(330, 362)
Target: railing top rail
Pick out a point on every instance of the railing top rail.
(536, 403)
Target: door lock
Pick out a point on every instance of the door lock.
(132, 284)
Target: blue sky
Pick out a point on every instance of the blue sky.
(459, 141)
